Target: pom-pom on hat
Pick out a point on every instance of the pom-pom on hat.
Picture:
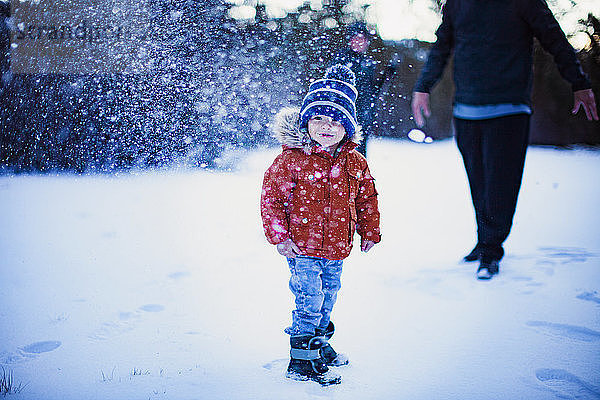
(333, 96)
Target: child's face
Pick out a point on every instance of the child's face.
(326, 131)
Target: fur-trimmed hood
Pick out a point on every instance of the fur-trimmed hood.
(286, 131)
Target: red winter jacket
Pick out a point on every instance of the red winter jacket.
(316, 199)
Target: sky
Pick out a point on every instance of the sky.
(409, 19)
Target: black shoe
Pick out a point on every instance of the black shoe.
(306, 362)
(331, 357)
(473, 255)
(487, 269)
(302, 370)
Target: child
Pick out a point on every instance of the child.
(316, 193)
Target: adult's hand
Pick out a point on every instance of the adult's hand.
(288, 248)
(585, 98)
(420, 106)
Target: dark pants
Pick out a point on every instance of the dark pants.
(493, 151)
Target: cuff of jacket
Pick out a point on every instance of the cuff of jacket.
(375, 237)
(581, 85)
(278, 238)
(421, 87)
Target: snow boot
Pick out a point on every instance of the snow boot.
(306, 362)
(473, 255)
(488, 268)
(331, 357)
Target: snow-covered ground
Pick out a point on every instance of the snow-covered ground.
(161, 286)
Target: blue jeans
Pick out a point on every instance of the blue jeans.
(315, 283)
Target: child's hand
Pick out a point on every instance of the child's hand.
(366, 245)
(288, 248)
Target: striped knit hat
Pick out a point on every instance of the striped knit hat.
(333, 96)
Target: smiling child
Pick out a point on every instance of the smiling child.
(315, 195)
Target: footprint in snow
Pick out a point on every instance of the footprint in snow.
(573, 332)
(526, 284)
(41, 347)
(152, 308)
(276, 365)
(548, 270)
(566, 385)
(15, 357)
(28, 352)
(589, 296)
(535, 284)
(126, 322)
(566, 255)
(127, 316)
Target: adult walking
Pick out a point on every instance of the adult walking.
(369, 78)
(492, 42)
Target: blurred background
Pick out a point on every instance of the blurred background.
(108, 85)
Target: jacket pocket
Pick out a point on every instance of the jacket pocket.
(307, 231)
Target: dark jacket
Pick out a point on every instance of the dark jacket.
(492, 41)
(368, 83)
